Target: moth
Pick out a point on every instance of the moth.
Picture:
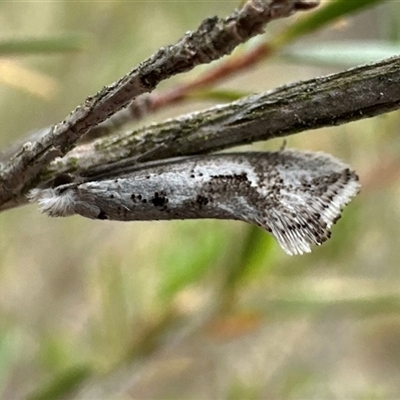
(296, 196)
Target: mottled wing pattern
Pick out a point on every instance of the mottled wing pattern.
(309, 191)
(297, 196)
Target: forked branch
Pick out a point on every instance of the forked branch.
(214, 38)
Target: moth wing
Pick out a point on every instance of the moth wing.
(313, 189)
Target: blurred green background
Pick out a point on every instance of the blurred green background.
(195, 309)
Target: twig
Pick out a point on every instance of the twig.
(358, 93)
(214, 38)
(149, 103)
(332, 100)
(335, 99)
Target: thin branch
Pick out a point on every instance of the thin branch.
(214, 38)
(150, 103)
(355, 94)
(335, 99)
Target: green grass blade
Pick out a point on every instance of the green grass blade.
(321, 17)
(63, 384)
(221, 95)
(250, 257)
(349, 53)
(61, 44)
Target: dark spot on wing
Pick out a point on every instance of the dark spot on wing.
(202, 200)
(234, 177)
(102, 215)
(159, 199)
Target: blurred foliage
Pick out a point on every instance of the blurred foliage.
(342, 54)
(329, 12)
(42, 45)
(196, 309)
(63, 384)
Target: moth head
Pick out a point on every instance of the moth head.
(55, 202)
